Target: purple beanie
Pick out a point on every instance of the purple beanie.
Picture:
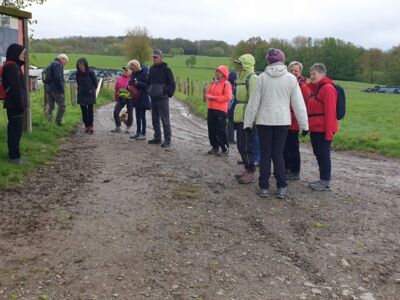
(275, 55)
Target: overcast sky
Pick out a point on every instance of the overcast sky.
(369, 23)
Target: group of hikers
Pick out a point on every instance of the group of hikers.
(267, 111)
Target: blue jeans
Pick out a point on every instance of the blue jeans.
(141, 121)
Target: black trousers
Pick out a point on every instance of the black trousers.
(231, 131)
(160, 110)
(87, 114)
(14, 133)
(245, 145)
(322, 151)
(272, 142)
(291, 153)
(141, 120)
(216, 121)
(117, 109)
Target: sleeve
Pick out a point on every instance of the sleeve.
(252, 84)
(306, 92)
(253, 105)
(299, 106)
(116, 89)
(94, 79)
(329, 97)
(227, 94)
(170, 86)
(58, 77)
(11, 76)
(141, 82)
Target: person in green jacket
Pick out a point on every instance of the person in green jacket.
(245, 138)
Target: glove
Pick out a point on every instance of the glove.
(304, 133)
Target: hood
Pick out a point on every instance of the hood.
(84, 61)
(276, 70)
(224, 70)
(13, 53)
(248, 62)
(314, 86)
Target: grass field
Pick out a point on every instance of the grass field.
(42, 144)
(371, 123)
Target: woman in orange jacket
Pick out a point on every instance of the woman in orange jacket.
(218, 96)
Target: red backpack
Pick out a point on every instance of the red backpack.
(3, 90)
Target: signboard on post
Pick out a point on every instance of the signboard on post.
(14, 29)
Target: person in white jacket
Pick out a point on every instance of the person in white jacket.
(269, 109)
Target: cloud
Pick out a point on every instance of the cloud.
(367, 23)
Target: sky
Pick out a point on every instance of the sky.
(367, 23)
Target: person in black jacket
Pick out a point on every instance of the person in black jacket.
(87, 85)
(55, 89)
(161, 88)
(139, 79)
(16, 99)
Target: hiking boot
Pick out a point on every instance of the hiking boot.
(141, 137)
(17, 161)
(165, 145)
(127, 130)
(87, 129)
(292, 176)
(224, 153)
(264, 193)
(240, 175)
(154, 142)
(135, 136)
(213, 151)
(320, 185)
(91, 130)
(281, 193)
(247, 178)
(116, 130)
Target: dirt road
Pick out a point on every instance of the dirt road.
(114, 218)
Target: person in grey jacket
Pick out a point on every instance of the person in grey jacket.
(269, 108)
(55, 89)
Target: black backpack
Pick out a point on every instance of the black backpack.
(340, 102)
(47, 74)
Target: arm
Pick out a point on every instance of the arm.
(12, 79)
(94, 79)
(170, 86)
(253, 105)
(329, 98)
(58, 77)
(299, 107)
(141, 82)
(116, 90)
(227, 95)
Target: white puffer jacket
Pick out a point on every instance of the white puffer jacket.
(270, 101)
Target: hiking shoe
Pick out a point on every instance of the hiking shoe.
(213, 151)
(247, 178)
(240, 162)
(165, 145)
(154, 142)
(116, 130)
(264, 193)
(281, 193)
(292, 176)
(256, 163)
(135, 136)
(17, 161)
(224, 153)
(127, 130)
(141, 137)
(320, 185)
(240, 175)
(87, 129)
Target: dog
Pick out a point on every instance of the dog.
(124, 118)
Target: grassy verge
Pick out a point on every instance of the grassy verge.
(42, 144)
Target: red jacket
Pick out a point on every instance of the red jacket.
(325, 105)
(306, 92)
(220, 93)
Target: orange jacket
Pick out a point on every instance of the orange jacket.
(220, 92)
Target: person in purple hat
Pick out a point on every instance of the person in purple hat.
(269, 108)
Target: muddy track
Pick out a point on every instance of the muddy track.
(114, 218)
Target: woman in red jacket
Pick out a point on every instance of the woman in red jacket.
(323, 122)
(218, 96)
(292, 147)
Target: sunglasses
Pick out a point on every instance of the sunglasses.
(155, 57)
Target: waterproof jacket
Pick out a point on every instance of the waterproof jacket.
(306, 92)
(141, 79)
(161, 82)
(121, 84)
(14, 80)
(242, 93)
(87, 84)
(276, 89)
(220, 92)
(322, 108)
(56, 84)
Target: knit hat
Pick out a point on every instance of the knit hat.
(157, 52)
(275, 55)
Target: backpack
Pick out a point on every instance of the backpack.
(247, 84)
(340, 102)
(47, 74)
(3, 90)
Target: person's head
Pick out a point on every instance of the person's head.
(16, 53)
(126, 71)
(221, 72)
(245, 62)
(63, 58)
(296, 68)
(232, 77)
(317, 72)
(275, 56)
(134, 66)
(82, 65)
(157, 56)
